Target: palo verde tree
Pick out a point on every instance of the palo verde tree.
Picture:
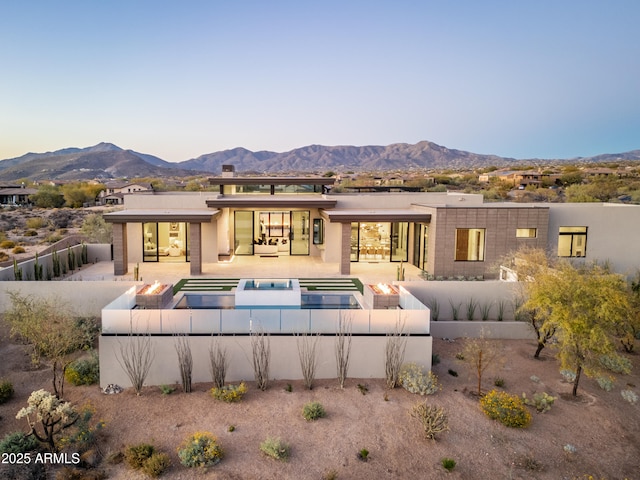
(529, 264)
(51, 329)
(584, 305)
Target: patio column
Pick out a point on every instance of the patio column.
(345, 249)
(120, 257)
(195, 248)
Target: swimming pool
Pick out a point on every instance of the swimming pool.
(308, 301)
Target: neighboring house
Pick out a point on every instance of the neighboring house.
(519, 179)
(114, 192)
(448, 235)
(14, 195)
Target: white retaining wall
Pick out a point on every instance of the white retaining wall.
(366, 358)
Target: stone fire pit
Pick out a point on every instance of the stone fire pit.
(154, 296)
(381, 295)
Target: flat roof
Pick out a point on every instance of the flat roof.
(167, 215)
(271, 201)
(376, 215)
(272, 180)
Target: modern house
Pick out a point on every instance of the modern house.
(448, 235)
(114, 192)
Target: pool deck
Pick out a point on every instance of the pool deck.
(250, 267)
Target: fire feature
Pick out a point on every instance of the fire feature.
(154, 296)
(382, 295)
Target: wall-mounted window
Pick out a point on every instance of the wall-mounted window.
(526, 232)
(318, 231)
(572, 242)
(470, 244)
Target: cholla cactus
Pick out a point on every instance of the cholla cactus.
(414, 380)
(48, 412)
(542, 401)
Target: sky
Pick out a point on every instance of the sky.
(521, 79)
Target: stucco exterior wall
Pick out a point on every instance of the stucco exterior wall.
(366, 358)
(85, 298)
(613, 232)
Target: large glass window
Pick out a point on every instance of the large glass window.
(399, 241)
(572, 242)
(470, 244)
(165, 242)
(243, 236)
(421, 245)
(355, 241)
(300, 233)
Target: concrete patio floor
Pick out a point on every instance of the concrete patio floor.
(250, 267)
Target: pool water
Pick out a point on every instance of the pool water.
(309, 301)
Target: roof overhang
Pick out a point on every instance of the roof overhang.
(172, 215)
(271, 201)
(272, 180)
(380, 215)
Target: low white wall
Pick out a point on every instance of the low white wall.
(498, 330)
(489, 294)
(86, 298)
(95, 253)
(243, 321)
(366, 358)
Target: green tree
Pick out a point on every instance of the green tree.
(96, 229)
(585, 306)
(48, 196)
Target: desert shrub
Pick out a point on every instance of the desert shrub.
(6, 391)
(499, 382)
(542, 401)
(434, 420)
(17, 250)
(30, 233)
(508, 409)
(156, 464)
(630, 396)
(167, 390)
(568, 375)
(313, 411)
(69, 473)
(363, 454)
(88, 329)
(448, 464)
(616, 363)
(3, 257)
(605, 383)
(452, 372)
(435, 359)
(276, 448)
(53, 238)
(7, 244)
(137, 455)
(414, 380)
(35, 222)
(200, 450)
(84, 371)
(18, 442)
(230, 393)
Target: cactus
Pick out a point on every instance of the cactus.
(17, 271)
(542, 401)
(37, 269)
(55, 260)
(85, 254)
(136, 272)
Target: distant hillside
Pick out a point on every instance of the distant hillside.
(107, 161)
(322, 158)
(104, 161)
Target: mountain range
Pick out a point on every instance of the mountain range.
(106, 161)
